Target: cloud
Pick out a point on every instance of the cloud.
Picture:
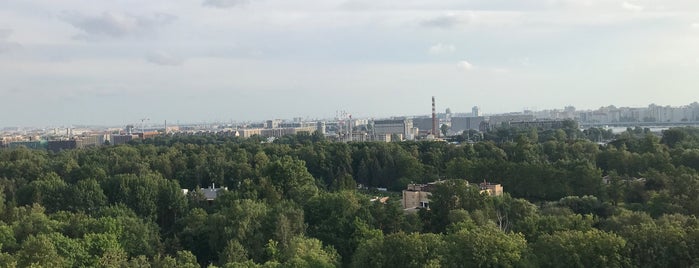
(163, 58)
(115, 24)
(5, 44)
(440, 48)
(631, 6)
(695, 25)
(225, 3)
(465, 65)
(443, 21)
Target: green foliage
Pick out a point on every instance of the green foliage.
(400, 250)
(592, 248)
(294, 202)
(309, 252)
(484, 247)
(331, 218)
(454, 194)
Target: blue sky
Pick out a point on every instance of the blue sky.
(114, 62)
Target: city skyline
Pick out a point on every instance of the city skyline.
(108, 63)
(605, 114)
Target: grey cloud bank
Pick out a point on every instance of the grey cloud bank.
(115, 24)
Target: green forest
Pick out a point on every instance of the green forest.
(304, 201)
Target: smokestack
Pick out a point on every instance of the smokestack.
(434, 119)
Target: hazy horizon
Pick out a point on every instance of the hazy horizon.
(78, 62)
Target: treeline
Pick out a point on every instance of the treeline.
(294, 202)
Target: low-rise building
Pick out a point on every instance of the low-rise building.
(35, 144)
(492, 189)
(122, 139)
(210, 193)
(418, 195)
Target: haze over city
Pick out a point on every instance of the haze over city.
(83, 62)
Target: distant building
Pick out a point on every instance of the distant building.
(495, 121)
(122, 139)
(148, 134)
(57, 146)
(273, 123)
(476, 111)
(466, 123)
(320, 127)
(382, 138)
(248, 132)
(424, 123)
(540, 124)
(35, 144)
(91, 141)
(360, 136)
(280, 132)
(79, 142)
(402, 127)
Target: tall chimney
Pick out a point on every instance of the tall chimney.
(434, 119)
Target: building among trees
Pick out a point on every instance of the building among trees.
(418, 195)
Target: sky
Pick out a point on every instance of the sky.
(116, 62)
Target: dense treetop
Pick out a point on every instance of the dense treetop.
(570, 202)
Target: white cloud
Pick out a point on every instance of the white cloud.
(631, 6)
(5, 44)
(116, 24)
(439, 48)
(163, 58)
(225, 3)
(465, 65)
(695, 25)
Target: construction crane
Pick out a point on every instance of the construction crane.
(143, 125)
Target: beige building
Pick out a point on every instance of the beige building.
(492, 189)
(248, 132)
(418, 195)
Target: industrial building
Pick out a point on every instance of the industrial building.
(400, 127)
(459, 124)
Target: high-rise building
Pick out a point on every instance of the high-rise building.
(321, 127)
(273, 123)
(476, 111)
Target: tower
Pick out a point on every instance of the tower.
(434, 119)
